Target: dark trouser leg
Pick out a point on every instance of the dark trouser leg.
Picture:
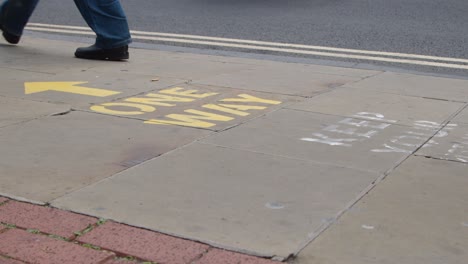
(107, 19)
(14, 15)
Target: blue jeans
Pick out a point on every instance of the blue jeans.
(105, 17)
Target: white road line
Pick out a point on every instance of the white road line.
(199, 40)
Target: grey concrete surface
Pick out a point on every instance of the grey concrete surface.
(268, 205)
(14, 111)
(250, 155)
(301, 81)
(452, 144)
(417, 215)
(398, 109)
(209, 107)
(175, 65)
(323, 138)
(462, 117)
(123, 84)
(49, 157)
(45, 56)
(416, 85)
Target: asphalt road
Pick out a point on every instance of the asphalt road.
(426, 27)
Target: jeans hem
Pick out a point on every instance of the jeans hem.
(113, 45)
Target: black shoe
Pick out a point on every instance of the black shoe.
(94, 53)
(12, 39)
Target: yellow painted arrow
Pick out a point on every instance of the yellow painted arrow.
(67, 87)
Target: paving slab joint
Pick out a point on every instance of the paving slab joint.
(118, 254)
(132, 259)
(94, 247)
(64, 112)
(287, 259)
(88, 229)
(34, 231)
(129, 259)
(8, 226)
(54, 236)
(3, 228)
(367, 77)
(9, 258)
(436, 158)
(197, 258)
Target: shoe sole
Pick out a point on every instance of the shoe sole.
(110, 57)
(9, 37)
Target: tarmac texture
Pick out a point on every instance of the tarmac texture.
(187, 158)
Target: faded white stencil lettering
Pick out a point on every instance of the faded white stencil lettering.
(330, 141)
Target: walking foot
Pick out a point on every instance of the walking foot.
(95, 53)
(10, 38)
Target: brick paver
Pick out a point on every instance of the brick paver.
(117, 239)
(4, 260)
(3, 199)
(120, 261)
(218, 256)
(40, 249)
(144, 244)
(45, 219)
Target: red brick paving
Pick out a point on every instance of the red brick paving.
(40, 249)
(218, 256)
(9, 261)
(45, 219)
(115, 240)
(2, 200)
(119, 261)
(144, 244)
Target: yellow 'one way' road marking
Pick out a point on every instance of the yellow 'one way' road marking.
(67, 87)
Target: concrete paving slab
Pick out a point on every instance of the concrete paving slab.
(453, 145)
(14, 111)
(172, 65)
(47, 158)
(72, 87)
(250, 202)
(45, 55)
(417, 215)
(462, 117)
(13, 81)
(398, 109)
(284, 80)
(215, 256)
(199, 106)
(416, 85)
(341, 71)
(32, 53)
(353, 72)
(350, 142)
(195, 66)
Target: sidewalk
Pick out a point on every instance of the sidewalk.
(176, 158)
(38, 234)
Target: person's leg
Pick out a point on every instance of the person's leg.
(14, 15)
(107, 19)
